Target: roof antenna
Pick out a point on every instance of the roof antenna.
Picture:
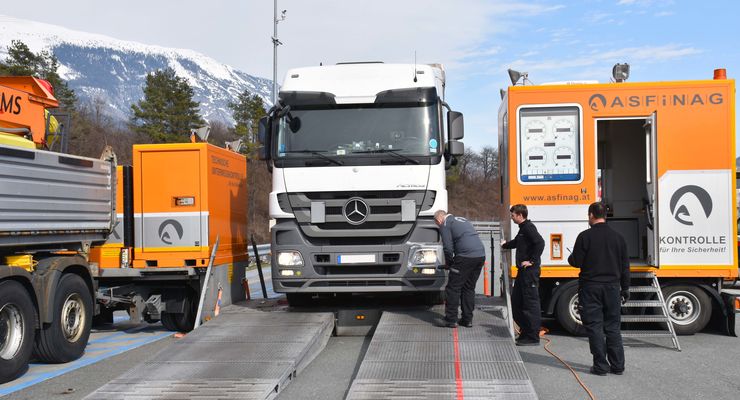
(415, 80)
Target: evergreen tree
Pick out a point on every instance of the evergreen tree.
(247, 111)
(21, 61)
(167, 113)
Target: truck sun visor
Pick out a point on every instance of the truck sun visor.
(307, 98)
(410, 95)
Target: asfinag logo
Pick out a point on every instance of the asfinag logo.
(684, 204)
(597, 101)
(168, 228)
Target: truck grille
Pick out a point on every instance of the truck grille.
(384, 212)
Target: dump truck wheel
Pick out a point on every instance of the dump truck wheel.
(65, 338)
(16, 330)
(567, 312)
(689, 307)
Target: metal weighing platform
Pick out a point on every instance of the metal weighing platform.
(411, 358)
(241, 354)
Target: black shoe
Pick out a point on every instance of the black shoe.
(443, 323)
(467, 324)
(597, 372)
(527, 342)
(616, 371)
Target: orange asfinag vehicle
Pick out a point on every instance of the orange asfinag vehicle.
(23, 100)
(176, 200)
(661, 155)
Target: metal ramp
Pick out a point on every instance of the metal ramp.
(242, 354)
(411, 358)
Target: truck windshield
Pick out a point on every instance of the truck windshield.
(384, 131)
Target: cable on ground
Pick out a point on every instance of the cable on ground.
(543, 332)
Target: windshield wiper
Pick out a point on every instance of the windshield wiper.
(316, 153)
(389, 151)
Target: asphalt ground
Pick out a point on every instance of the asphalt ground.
(80, 378)
(705, 368)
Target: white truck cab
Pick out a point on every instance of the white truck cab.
(358, 154)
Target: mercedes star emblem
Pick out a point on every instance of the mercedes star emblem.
(355, 210)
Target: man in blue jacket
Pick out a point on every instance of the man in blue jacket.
(464, 256)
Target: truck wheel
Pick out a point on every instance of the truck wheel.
(434, 298)
(16, 330)
(65, 338)
(181, 322)
(689, 308)
(298, 299)
(567, 312)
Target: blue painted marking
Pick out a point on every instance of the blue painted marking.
(82, 362)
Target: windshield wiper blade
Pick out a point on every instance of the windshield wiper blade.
(388, 151)
(316, 153)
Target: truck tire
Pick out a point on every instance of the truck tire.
(16, 330)
(567, 313)
(435, 298)
(65, 338)
(298, 299)
(689, 307)
(181, 322)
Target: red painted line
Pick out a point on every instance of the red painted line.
(458, 367)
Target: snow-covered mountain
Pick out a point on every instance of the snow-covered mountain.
(109, 71)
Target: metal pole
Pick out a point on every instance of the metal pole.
(259, 267)
(204, 289)
(274, 55)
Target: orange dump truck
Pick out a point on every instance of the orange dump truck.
(175, 203)
(660, 155)
(53, 208)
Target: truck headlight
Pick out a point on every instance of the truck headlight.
(289, 259)
(424, 256)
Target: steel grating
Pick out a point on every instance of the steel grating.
(411, 358)
(245, 355)
(234, 352)
(194, 389)
(418, 390)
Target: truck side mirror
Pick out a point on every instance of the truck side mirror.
(263, 136)
(455, 125)
(456, 148)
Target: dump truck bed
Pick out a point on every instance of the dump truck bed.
(51, 198)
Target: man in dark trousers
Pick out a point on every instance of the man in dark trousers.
(601, 254)
(525, 298)
(464, 257)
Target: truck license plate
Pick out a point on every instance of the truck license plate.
(355, 258)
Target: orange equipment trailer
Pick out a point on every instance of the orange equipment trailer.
(660, 155)
(177, 200)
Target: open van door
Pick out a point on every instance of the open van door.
(651, 184)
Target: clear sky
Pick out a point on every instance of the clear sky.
(477, 40)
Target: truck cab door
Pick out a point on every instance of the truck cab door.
(651, 184)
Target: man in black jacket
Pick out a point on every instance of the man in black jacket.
(601, 254)
(525, 298)
(464, 256)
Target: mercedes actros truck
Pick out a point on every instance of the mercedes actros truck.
(358, 154)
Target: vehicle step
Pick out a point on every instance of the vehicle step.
(642, 275)
(643, 289)
(632, 334)
(643, 303)
(644, 318)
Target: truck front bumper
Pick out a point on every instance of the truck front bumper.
(301, 267)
